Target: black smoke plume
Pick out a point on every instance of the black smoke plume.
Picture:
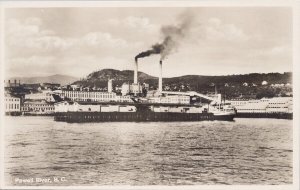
(172, 36)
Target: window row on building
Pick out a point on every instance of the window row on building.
(12, 99)
(89, 96)
(12, 107)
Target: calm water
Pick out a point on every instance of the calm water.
(247, 151)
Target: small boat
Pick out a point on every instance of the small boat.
(226, 113)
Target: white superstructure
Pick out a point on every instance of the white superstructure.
(66, 106)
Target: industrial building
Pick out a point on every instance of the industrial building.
(131, 89)
(8, 83)
(91, 96)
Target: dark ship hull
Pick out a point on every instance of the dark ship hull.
(224, 117)
(79, 117)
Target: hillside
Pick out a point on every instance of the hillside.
(232, 85)
(100, 78)
(61, 79)
(256, 78)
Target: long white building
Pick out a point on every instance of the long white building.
(93, 96)
(264, 105)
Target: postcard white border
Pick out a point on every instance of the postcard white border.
(295, 4)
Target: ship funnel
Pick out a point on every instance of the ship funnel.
(160, 77)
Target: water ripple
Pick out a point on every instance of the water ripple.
(247, 151)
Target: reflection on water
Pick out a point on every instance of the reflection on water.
(247, 151)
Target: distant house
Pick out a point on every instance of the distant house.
(85, 89)
(264, 83)
(245, 84)
(74, 87)
(167, 88)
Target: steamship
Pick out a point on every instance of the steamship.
(137, 103)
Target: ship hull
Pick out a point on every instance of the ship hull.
(266, 115)
(79, 117)
(225, 117)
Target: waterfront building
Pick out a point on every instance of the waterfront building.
(264, 105)
(37, 107)
(280, 105)
(12, 104)
(253, 107)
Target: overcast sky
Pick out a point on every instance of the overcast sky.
(78, 41)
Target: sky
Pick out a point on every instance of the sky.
(78, 41)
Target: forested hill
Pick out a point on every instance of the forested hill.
(100, 78)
